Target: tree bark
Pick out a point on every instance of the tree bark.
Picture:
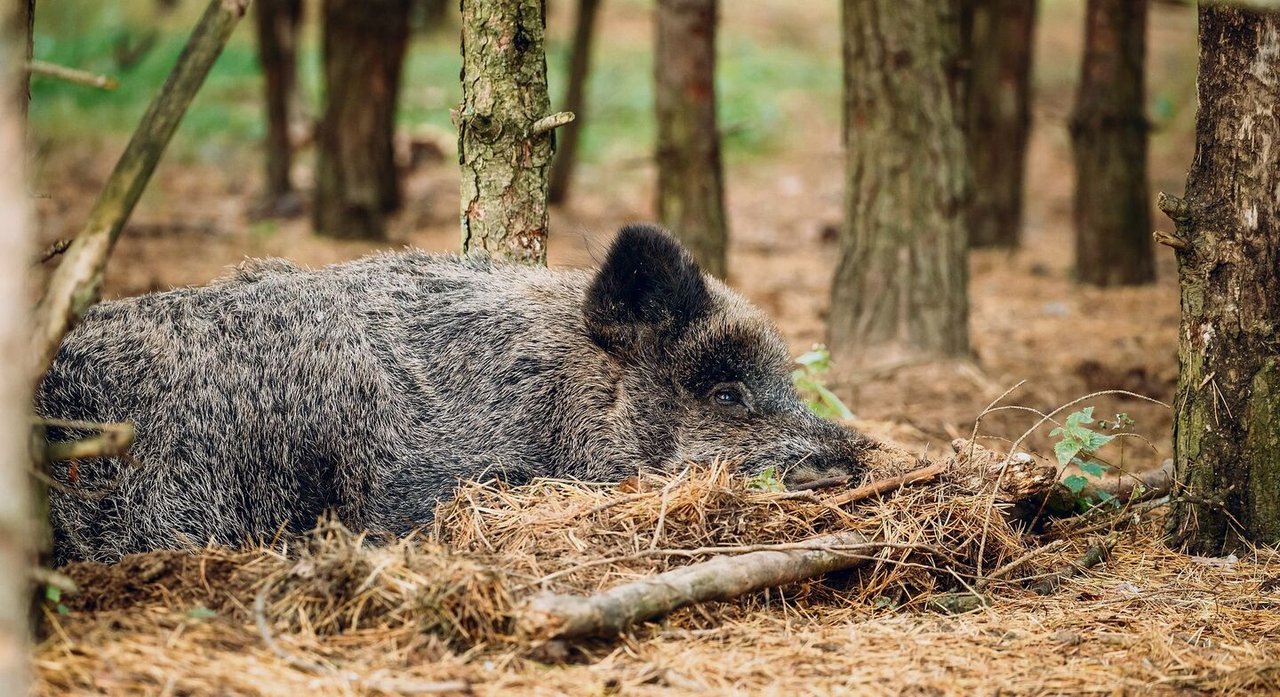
(1227, 425)
(1109, 137)
(17, 528)
(690, 180)
(503, 150)
(356, 179)
(579, 63)
(902, 272)
(999, 45)
(277, 26)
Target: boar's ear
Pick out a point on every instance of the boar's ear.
(648, 285)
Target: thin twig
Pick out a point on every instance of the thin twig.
(1007, 568)
(874, 489)
(72, 75)
(53, 250)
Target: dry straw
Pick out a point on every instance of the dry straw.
(435, 613)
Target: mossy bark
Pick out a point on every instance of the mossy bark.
(902, 274)
(998, 42)
(1227, 421)
(690, 178)
(504, 159)
(356, 179)
(1112, 207)
(277, 24)
(575, 98)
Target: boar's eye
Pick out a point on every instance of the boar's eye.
(728, 396)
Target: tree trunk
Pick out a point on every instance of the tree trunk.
(999, 44)
(1227, 425)
(16, 512)
(902, 273)
(277, 49)
(21, 23)
(504, 144)
(356, 179)
(690, 182)
(579, 62)
(1109, 136)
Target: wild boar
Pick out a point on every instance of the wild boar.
(369, 389)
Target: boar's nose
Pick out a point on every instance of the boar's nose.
(830, 451)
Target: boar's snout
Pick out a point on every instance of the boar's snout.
(818, 449)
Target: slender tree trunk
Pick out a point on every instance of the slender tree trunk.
(902, 273)
(1227, 424)
(22, 22)
(579, 62)
(1109, 135)
(277, 25)
(356, 179)
(999, 44)
(505, 140)
(690, 181)
(17, 528)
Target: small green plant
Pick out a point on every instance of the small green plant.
(809, 383)
(53, 596)
(766, 480)
(1076, 445)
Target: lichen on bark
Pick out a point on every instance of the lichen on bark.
(504, 162)
(1226, 428)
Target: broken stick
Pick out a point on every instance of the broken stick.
(884, 486)
(551, 616)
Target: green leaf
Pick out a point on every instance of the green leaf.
(53, 594)
(831, 400)
(1104, 496)
(1094, 441)
(1093, 467)
(201, 612)
(1075, 483)
(1065, 450)
(63, 610)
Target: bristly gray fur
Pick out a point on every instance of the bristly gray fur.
(371, 388)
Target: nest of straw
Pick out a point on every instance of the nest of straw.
(334, 613)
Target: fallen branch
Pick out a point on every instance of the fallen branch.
(1094, 555)
(79, 77)
(76, 283)
(551, 616)
(874, 489)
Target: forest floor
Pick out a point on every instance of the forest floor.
(1032, 327)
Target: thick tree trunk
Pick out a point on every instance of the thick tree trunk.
(16, 512)
(1109, 136)
(902, 272)
(356, 179)
(277, 25)
(1227, 425)
(579, 62)
(998, 44)
(504, 142)
(690, 181)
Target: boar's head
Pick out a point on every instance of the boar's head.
(704, 374)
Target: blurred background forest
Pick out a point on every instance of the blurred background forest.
(779, 90)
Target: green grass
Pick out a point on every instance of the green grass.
(754, 85)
